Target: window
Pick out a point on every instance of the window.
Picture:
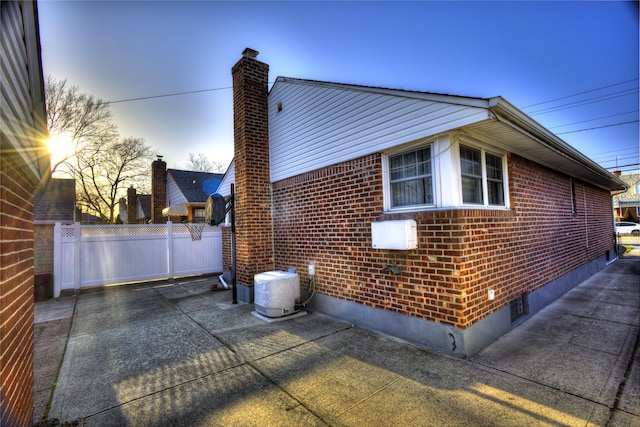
(482, 177)
(410, 178)
(198, 215)
(471, 175)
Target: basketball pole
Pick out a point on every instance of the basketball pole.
(233, 246)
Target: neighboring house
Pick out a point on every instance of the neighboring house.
(24, 167)
(507, 215)
(55, 202)
(627, 204)
(90, 219)
(180, 195)
(135, 208)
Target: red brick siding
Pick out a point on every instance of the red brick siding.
(16, 294)
(254, 241)
(324, 217)
(158, 192)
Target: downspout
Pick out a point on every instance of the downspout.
(586, 220)
(616, 246)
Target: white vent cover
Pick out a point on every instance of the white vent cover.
(397, 234)
(276, 293)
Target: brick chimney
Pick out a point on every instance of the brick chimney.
(132, 206)
(254, 228)
(158, 190)
(122, 204)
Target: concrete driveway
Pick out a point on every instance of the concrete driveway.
(176, 353)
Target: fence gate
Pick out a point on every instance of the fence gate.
(94, 255)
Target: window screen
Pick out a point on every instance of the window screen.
(471, 175)
(410, 178)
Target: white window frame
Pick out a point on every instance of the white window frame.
(386, 172)
(484, 150)
(446, 173)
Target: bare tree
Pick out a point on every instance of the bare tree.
(102, 164)
(83, 118)
(104, 170)
(201, 163)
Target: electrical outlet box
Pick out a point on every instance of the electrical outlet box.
(397, 234)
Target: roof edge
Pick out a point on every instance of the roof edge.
(507, 113)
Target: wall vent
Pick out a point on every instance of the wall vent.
(518, 307)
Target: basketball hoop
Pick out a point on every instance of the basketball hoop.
(195, 229)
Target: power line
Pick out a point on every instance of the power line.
(142, 98)
(623, 166)
(585, 102)
(613, 157)
(617, 159)
(598, 127)
(614, 151)
(580, 93)
(592, 120)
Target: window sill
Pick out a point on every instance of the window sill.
(447, 208)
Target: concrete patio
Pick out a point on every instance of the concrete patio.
(176, 353)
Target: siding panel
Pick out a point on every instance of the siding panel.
(309, 132)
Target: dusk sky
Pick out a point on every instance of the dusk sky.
(536, 55)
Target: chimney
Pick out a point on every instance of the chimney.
(158, 190)
(254, 235)
(132, 206)
(122, 204)
(617, 173)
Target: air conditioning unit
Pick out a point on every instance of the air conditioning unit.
(397, 234)
(276, 293)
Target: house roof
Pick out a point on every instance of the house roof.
(631, 197)
(195, 186)
(87, 218)
(493, 120)
(144, 203)
(55, 202)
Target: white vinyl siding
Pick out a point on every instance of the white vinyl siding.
(321, 124)
(224, 189)
(22, 123)
(174, 195)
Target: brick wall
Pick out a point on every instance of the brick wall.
(132, 205)
(324, 217)
(16, 294)
(254, 241)
(158, 191)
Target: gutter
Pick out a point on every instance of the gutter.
(506, 113)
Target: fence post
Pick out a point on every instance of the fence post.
(57, 259)
(170, 248)
(77, 239)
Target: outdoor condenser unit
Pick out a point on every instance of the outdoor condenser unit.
(276, 293)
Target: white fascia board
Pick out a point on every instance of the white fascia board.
(506, 113)
(424, 96)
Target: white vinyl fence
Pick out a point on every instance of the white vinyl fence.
(94, 255)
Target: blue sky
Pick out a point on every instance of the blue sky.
(526, 52)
